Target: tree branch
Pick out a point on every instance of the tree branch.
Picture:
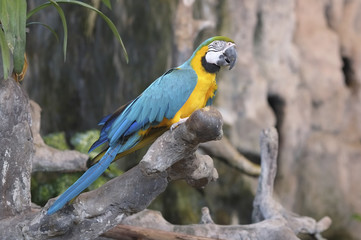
(132, 232)
(172, 156)
(224, 151)
(273, 222)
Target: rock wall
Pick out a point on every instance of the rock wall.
(302, 62)
(299, 68)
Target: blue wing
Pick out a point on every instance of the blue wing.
(162, 99)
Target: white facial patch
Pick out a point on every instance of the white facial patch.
(213, 57)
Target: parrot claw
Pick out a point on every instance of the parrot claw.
(175, 125)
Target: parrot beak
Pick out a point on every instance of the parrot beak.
(230, 55)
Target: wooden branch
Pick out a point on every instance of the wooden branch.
(271, 229)
(133, 232)
(273, 222)
(265, 207)
(172, 156)
(224, 151)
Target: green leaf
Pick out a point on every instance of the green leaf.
(62, 17)
(4, 15)
(20, 34)
(37, 9)
(107, 3)
(5, 54)
(65, 27)
(46, 26)
(5, 23)
(13, 19)
(106, 19)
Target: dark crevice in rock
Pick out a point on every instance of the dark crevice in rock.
(349, 74)
(277, 103)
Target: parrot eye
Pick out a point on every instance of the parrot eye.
(216, 46)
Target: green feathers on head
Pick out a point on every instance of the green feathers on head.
(209, 40)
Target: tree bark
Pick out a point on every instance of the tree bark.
(16, 149)
(173, 156)
(271, 220)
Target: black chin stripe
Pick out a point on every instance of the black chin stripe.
(210, 67)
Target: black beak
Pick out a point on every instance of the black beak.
(230, 56)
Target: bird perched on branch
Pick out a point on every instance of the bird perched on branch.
(165, 104)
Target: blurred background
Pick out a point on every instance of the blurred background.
(299, 69)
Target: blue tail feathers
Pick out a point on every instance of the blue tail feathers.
(85, 180)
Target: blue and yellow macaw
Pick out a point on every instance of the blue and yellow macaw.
(166, 103)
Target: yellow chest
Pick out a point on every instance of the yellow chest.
(205, 88)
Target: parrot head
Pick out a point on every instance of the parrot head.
(221, 51)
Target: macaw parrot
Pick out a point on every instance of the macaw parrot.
(166, 103)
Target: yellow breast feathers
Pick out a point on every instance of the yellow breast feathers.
(205, 88)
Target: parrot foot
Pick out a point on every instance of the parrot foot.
(175, 125)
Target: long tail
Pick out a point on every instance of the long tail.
(85, 180)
